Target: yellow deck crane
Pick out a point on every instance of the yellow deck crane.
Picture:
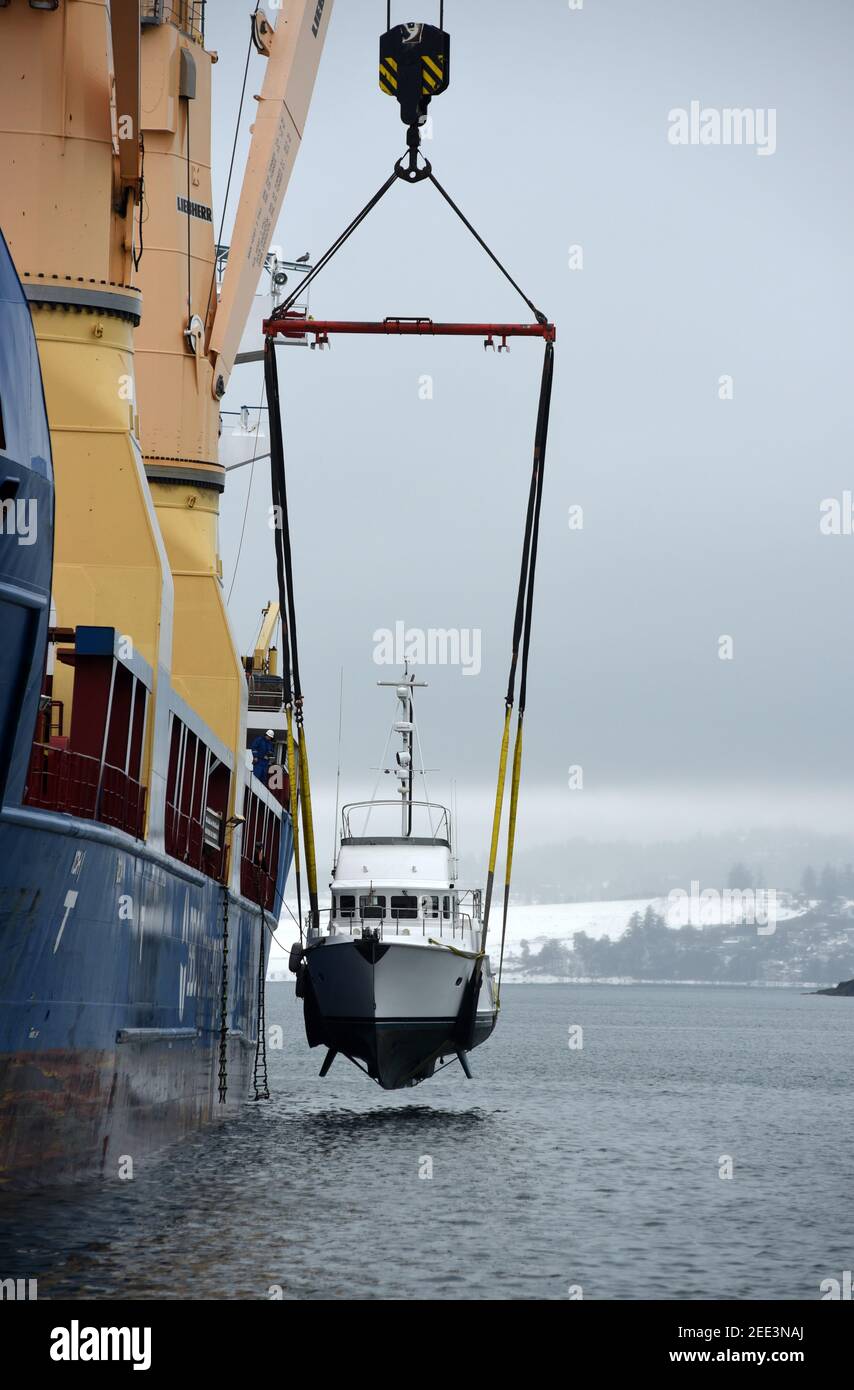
(264, 661)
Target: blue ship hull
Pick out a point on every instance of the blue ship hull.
(110, 1030)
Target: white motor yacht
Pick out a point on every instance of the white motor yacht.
(394, 976)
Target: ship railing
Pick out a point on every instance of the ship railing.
(257, 884)
(425, 809)
(186, 840)
(122, 802)
(265, 700)
(443, 928)
(188, 15)
(60, 779)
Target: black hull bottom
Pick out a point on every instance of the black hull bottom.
(396, 1052)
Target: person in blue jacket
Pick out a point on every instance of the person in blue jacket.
(262, 749)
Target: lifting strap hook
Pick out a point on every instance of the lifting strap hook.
(407, 167)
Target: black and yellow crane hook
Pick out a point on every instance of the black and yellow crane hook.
(415, 66)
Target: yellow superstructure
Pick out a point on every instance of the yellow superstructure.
(106, 203)
(179, 414)
(68, 216)
(109, 566)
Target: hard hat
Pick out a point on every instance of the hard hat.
(270, 734)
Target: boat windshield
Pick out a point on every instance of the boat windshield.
(373, 907)
(397, 907)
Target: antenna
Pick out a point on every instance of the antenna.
(338, 775)
(405, 725)
(455, 850)
(423, 772)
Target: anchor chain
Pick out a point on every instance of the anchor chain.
(260, 1078)
(223, 1025)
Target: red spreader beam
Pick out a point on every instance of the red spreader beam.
(298, 326)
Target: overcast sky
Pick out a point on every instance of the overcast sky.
(700, 515)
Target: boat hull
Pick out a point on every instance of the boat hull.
(399, 1008)
(111, 970)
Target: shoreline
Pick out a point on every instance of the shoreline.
(804, 987)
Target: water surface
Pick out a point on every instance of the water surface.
(558, 1166)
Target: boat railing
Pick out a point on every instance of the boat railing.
(353, 924)
(60, 779)
(439, 833)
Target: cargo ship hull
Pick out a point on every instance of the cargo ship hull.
(111, 981)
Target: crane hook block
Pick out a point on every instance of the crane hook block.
(414, 66)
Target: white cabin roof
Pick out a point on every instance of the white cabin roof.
(386, 860)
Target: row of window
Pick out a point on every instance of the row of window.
(397, 906)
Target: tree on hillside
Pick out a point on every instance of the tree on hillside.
(809, 883)
(828, 884)
(553, 959)
(740, 877)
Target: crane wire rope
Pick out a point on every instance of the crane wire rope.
(249, 48)
(338, 772)
(253, 461)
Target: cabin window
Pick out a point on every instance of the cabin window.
(373, 907)
(404, 907)
(346, 905)
(431, 905)
(446, 906)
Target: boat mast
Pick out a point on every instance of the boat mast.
(405, 726)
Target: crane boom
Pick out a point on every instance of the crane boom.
(265, 637)
(293, 50)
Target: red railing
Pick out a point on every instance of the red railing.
(256, 884)
(185, 840)
(61, 780)
(262, 832)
